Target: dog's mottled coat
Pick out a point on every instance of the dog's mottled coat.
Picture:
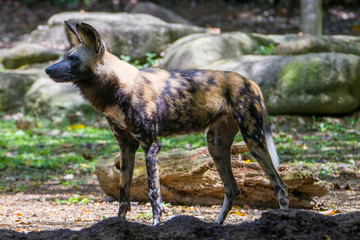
(142, 105)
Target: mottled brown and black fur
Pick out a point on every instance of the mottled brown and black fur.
(142, 105)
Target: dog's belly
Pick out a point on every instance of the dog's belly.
(186, 123)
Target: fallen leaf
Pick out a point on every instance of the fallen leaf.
(24, 124)
(68, 176)
(84, 165)
(328, 212)
(19, 214)
(248, 161)
(240, 214)
(246, 206)
(76, 126)
(25, 223)
(214, 31)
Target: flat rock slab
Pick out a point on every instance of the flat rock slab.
(292, 44)
(274, 224)
(28, 53)
(190, 178)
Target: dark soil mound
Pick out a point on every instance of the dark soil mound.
(274, 224)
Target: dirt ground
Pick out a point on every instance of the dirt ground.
(274, 224)
(36, 208)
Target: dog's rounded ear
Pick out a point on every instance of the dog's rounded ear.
(74, 35)
(91, 37)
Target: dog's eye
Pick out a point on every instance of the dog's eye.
(73, 58)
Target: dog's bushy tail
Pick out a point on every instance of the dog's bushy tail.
(267, 130)
(271, 146)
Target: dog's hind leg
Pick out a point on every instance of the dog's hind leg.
(152, 168)
(220, 136)
(254, 127)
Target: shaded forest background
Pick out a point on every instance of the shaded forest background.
(20, 17)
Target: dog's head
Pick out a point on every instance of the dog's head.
(79, 63)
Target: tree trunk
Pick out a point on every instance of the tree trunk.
(311, 17)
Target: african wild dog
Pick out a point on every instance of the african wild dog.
(141, 105)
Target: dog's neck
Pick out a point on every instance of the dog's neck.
(125, 73)
(112, 82)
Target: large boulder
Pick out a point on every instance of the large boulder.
(159, 12)
(323, 83)
(190, 177)
(310, 75)
(28, 53)
(52, 36)
(46, 97)
(199, 50)
(35, 92)
(13, 86)
(129, 34)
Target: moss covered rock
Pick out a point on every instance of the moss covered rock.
(323, 83)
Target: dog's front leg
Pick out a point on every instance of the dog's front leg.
(128, 146)
(152, 167)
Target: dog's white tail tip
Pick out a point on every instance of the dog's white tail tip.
(272, 151)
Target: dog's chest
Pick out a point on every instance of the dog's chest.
(117, 115)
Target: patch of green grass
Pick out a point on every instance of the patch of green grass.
(144, 216)
(165, 204)
(74, 199)
(191, 141)
(51, 148)
(152, 60)
(13, 187)
(73, 183)
(54, 148)
(320, 140)
(266, 50)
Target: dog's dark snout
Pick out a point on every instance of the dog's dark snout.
(48, 70)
